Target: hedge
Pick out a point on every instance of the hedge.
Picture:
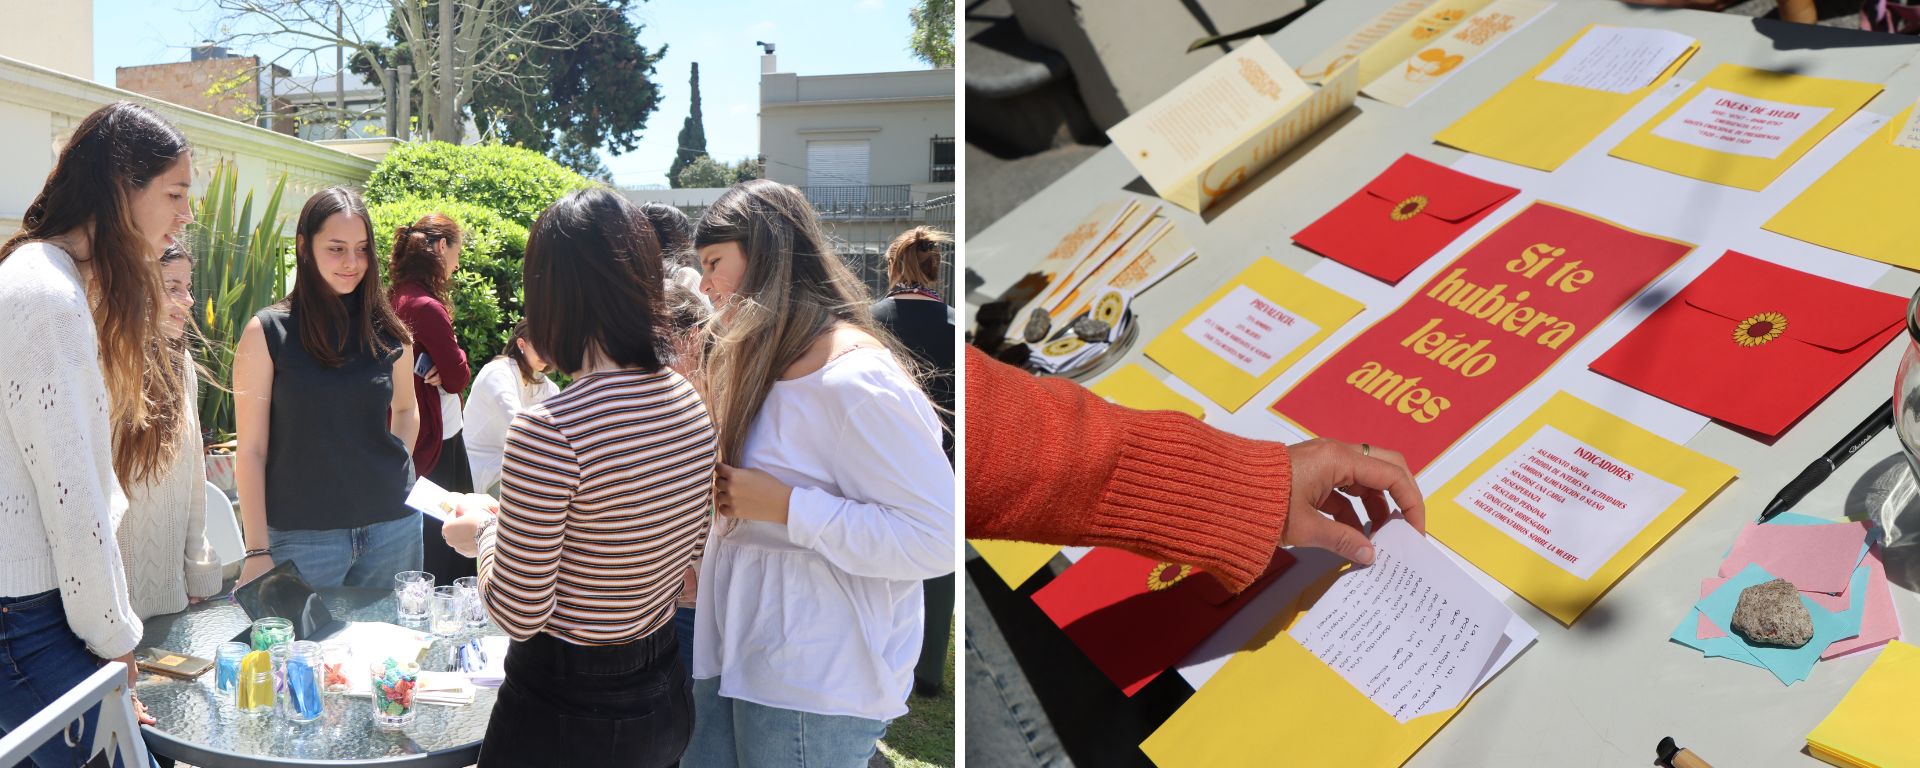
(516, 183)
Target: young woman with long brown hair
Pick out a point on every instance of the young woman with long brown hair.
(91, 402)
(425, 255)
(324, 406)
(163, 537)
(835, 499)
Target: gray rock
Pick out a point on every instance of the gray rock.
(1772, 614)
(1090, 329)
(1037, 326)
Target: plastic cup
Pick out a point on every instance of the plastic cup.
(411, 591)
(472, 607)
(447, 617)
(393, 689)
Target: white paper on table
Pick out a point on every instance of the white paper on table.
(1412, 631)
(427, 497)
(1568, 502)
(1723, 121)
(451, 689)
(1249, 330)
(1617, 59)
(494, 671)
(371, 641)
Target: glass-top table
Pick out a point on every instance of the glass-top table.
(200, 727)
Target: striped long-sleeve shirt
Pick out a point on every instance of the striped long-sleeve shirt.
(604, 502)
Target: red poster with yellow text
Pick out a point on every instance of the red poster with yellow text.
(1477, 333)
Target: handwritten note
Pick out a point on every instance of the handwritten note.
(1909, 133)
(1412, 631)
(1617, 59)
(1250, 331)
(1567, 501)
(1740, 125)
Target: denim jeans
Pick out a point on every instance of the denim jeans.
(683, 630)
(368, 556)
(40, 660)
(1006, 727)
(580, 706)
(731, 733)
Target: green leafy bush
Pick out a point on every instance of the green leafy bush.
(516, 183)
(486, 291)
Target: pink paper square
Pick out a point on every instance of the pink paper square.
(1816, 558)
(1878, 623)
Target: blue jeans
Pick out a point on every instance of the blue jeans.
(730, 733)
(40, 660)
(1006, 726)
(351, 557)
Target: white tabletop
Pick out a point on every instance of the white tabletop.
(1603, 691)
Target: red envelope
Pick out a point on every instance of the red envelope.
(1135, 617)
(1402, 218)
(1754, 344)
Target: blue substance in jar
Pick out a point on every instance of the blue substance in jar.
(227, 673)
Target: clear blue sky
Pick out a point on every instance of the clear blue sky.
(823, 37)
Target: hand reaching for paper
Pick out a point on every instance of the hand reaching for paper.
(470, 510)
(1321, 467)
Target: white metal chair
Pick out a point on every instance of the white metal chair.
(223, 527)
(116, 732)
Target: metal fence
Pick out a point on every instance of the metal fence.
(863, 221)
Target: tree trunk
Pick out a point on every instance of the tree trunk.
(446, 119)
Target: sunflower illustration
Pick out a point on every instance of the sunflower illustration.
(1157, 580)
(1760, 329)
(1408, 208)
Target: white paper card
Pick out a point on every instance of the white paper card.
(1413, 632)
(427, 497)
(1740, 125)
(1909, 135)
(1617, 59)
(1567, 502)
(1249, 330)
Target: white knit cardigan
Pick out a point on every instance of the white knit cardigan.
(163, 538)
(59, 498)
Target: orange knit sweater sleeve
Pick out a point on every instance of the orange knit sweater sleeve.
(1049, 462)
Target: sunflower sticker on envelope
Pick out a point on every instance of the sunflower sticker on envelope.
(1754, 344)
(1402, 218)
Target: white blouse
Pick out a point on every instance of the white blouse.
(498, 394)
(824, 614)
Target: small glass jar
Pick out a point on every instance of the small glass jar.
(301, 674)
(226, 666)
(333, 667)
(253, 695)
(271, 631)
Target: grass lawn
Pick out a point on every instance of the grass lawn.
(923, 738)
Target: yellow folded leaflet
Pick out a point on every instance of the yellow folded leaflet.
(1242, 336)
(1130, 385)
(1539, 124)
(1847, 209)
(1873, 725)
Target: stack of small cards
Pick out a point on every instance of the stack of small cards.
(1085, 338)
(1841, 581)
(1124, 245)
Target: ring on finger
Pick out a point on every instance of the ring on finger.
(1366, 450)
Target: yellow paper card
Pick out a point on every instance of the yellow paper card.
(1245, 333)
(1568, 501)
(1014, 561)
(1349, 49)
(1743, 127)
(1847, 208)
(1873, 724)
(1431, 64)
(1221, 126)
(1275, 698)
(1129, 385)
(1539, 124)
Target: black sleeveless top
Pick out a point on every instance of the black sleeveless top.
(331, 462)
